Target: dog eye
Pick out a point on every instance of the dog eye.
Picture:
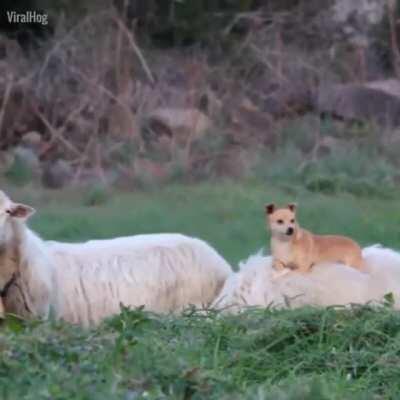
(280, 221)
(292, 221)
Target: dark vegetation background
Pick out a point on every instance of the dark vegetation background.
(135, 94)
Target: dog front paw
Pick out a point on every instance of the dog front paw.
(277, 274)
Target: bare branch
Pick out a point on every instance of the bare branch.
(136, 49)
(56, 133)
(6, 97)
(393, 36)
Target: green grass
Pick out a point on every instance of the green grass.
(261, 354)
(229, 216)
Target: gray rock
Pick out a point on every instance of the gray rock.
(182, 124)
(32, 140)
(354, 102)
(389, 86)
(370, 11)
(56, 175)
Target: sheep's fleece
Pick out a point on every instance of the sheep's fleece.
(325, 285)
(84, 283)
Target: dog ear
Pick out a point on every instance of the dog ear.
(292, 207)
(269, 208)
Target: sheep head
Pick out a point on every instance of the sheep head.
(9, 209)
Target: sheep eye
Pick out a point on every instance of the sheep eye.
(292, 221)
(280, 221)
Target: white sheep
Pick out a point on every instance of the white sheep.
(325, 285)
(86, 282)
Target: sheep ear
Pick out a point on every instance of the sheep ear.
(269, 208)
(292, 207)
(17, 210)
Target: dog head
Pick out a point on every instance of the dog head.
(281, 221)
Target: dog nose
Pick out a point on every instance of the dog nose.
(290, 231)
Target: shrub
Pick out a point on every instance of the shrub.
(354, 170)
(96, 196)
(20, 173)
(279, 167)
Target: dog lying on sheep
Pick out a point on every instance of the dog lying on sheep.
(295, 248)
(86, 282)
(327, 284)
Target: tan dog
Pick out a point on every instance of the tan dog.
(294, 248)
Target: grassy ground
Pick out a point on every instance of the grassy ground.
(229, 216)
(262, 354)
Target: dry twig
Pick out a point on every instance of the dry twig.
(136, 50)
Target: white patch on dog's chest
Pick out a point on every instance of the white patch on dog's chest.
(282, 251)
